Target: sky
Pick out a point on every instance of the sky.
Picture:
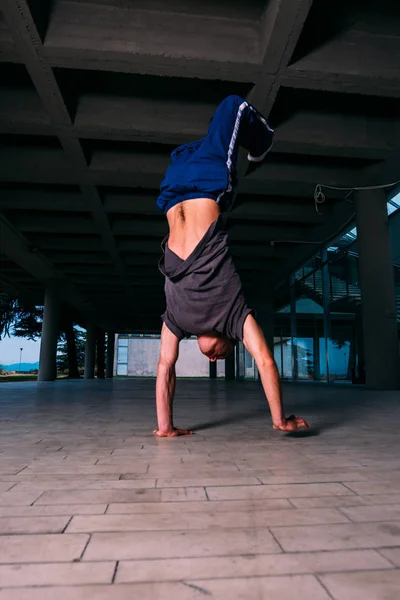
(10, 350)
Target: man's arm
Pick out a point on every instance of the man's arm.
(165, 385)
(254, 340)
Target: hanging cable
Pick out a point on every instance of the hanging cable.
(320, 198)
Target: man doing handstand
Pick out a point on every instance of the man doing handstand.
(202, 288)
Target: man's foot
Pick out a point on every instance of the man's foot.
(174, 432)
(292, 423)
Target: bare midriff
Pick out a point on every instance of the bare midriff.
(188, 222)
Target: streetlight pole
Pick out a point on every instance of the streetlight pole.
(20, 359)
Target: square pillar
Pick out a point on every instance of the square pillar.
(213, 370)
(230, 367)
(101, 353)
(48, 343)
(381, 348)
(90, 351)
(110, 354)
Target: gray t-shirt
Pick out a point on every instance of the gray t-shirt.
(204, 292)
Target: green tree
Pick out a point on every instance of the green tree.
(64, 358)
(19, 319)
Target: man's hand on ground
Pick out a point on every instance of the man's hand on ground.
(174, 432)
(292, 423)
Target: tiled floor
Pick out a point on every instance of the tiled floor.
(93, 507)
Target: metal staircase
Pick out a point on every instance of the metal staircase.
(341, 292)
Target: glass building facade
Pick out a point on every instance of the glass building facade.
(318, 330)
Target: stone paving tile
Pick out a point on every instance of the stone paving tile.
(180, 471)
(99, 471)
(249, 566)
(365, 514)
(200, 520)
(328, 501)
(204, 507)
(375, 585)
(268, 588)
(17, 525)
(42, 548)
(311, 478)
(82, 484)
(15, 498)
(112, 496)
(381, 475)
(6, 485)
(54, 510)
(338, 537)
(277, 491)
(26, 575)
(374, 487)
(38, 478)
(392, 554)
(179, 544)
(146, 591)
(209, 481)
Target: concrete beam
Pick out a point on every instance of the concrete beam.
(70, 224)
(19, 250)
(145, 119)
(20, 20)
(131, 204)
(275, 211)
(387, 172)
(69, 244)
(274, 170)
(8, 51)
(309, 132)
(318, 79)
(121, 62)
(74, 259)
(21, 111)
(42, 200)
(139, 246)
(270, 233)
(153, 42)
(151, 228)
(358, 57)
(282, 25)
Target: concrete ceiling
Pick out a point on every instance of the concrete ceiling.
(95, 94)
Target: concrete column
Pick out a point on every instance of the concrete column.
(90, 351)
(237, 359)
(317, 367)
(230, 367)
(213, 370)
(48, 344)
(100, 353)
(265, 317)
(378, 291)
(293, 329)
(110, 354)
(326, 301)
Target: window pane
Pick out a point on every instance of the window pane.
(122, 355)
(122, 369)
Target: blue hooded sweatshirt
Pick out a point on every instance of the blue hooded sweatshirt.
(206, 168)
